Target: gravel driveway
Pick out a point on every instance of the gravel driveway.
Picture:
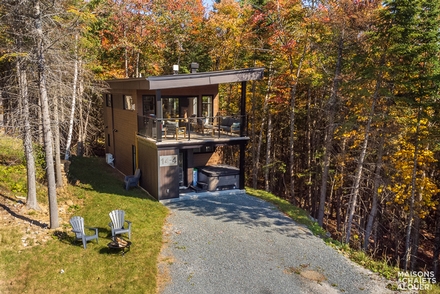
(241, 244)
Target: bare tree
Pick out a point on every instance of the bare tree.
(358, 173)
(46, 119)
(74, 97)
(331, 113)
(31, 200)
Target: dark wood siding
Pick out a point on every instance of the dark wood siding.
(148, 164)
(125, 127)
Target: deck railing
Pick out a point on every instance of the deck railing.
(192, 128)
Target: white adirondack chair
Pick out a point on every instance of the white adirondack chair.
(117, 223)
(77, 223)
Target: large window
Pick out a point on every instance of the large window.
(194, 105)
(148, 105)
(207, 106)
(170, 107)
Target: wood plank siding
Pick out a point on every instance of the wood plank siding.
(135, 133)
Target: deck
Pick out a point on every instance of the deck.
(185, 132)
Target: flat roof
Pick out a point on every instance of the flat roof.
(197, 79)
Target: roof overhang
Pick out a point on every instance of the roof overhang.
(199, 79)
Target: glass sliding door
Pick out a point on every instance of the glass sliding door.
(207, 106)
(170, 107)
(148, 105)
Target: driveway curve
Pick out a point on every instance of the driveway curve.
(242, 244)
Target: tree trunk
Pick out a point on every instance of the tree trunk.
(374, 196)
(360, 165)
(57, 138)
(416, 231)
(31, 200)
(84, 122)
(408, 249)
(436, 254)
(80, 143)
(125, 54)
(47, 132)
(341, 189)
(266, 113)
(308, 200)
(74, 94)
(331, 113)
(255, 159)
(293, 89)
(267, 168)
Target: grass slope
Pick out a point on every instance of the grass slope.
(63, 266)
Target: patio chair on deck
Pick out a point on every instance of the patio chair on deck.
(173, 128)
(133, 180)
(117, 223)
(77, 223)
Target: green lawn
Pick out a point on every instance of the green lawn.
(95, 189)
(61, 266)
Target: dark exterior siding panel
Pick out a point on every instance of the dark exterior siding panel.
(148, 164)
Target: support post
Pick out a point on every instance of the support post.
(159, 117)
(242, 133)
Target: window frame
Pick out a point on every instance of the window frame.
(126, 105)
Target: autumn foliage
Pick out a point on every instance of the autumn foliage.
(345, 122)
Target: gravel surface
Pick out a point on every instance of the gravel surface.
(241, 244)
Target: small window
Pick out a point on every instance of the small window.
(128, 102)
(108, 100)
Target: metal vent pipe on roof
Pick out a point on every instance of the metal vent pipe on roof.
(194, 67)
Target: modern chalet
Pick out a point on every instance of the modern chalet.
(171, 128)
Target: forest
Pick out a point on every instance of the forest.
(344, 124)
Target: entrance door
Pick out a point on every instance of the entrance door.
(110, 127)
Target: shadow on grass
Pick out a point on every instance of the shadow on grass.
(22, 217)
(94, 174)
(69, 239)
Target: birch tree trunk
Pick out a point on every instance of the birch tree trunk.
(84, 118)
(47, 132)
(31, 200)
(74, 94)
(331, 113)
